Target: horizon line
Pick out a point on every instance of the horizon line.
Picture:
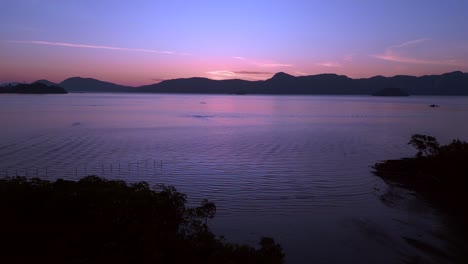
(161, 80)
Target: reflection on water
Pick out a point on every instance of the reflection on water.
(295, 168)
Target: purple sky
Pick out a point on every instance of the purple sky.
(142, 42)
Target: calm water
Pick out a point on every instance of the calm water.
(291, 167)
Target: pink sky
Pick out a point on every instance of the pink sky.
(141, 44)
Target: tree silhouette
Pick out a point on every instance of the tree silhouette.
(95, 220)
(427, 145)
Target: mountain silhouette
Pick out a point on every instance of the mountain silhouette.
(9, 84)
(200, 85)
(390, 92)
(78, 84)
(282, 76)
(33, 88)
(453, 83)
(46, 82)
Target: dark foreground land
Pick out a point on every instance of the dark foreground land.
(102, 221)
(439, 175)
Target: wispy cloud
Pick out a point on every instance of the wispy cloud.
(275, 65)
(409, 43)
(394, 54)
(86, 46)
(222, 73)
(301, 73)
(330, 64)
(238, 74)
(253, 72)
(396, 58)
(239, 58)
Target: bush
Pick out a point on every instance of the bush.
(104, 221)
(438, 173)
(426, 145)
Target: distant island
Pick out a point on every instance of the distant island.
(33, 88)
(453, 83)
(390, 92)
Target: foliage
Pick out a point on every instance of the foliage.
(427, 145)
(439, 173)
(106, 221)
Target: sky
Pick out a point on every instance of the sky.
(146, 41)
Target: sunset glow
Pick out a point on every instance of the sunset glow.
(144, 42)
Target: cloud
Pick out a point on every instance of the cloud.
(275, 65)
(330, 64)
(396, 58)
(222, 73)
(86, 46)
(409, 43)
(252, 72)
(301, 73)
(158, 79)
(393, 54)
(239, 58)
(235, 74)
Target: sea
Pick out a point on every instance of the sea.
(295, 168)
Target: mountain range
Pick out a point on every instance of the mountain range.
(453, 83)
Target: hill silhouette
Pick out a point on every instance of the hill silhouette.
(34, 88)
(9, 84)
(200, 85)
(78, 84)
(390, 92)
(46, 82)
(453, 83)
